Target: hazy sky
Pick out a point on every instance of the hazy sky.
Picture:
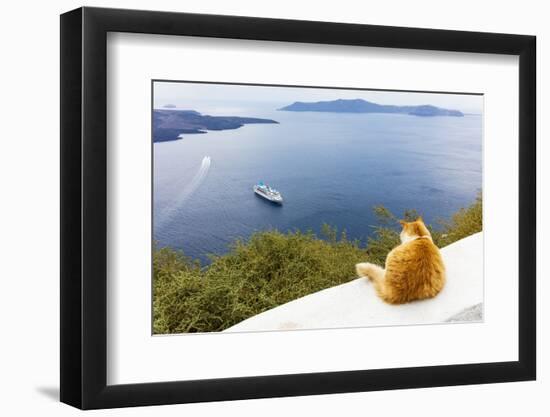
(195, 96)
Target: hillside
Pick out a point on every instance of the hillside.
(272, 268)
(169, 124)
(355, 304)
(363, 106)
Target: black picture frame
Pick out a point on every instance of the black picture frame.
(84, 207)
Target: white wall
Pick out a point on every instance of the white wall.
(29, 176)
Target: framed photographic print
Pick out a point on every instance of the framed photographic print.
(257, 207)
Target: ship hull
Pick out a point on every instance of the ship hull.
(267, 198)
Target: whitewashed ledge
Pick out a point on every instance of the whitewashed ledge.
(355, 304)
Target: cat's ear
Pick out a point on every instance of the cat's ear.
(420, 219)
(402, 222)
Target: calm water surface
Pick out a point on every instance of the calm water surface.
(330, 168)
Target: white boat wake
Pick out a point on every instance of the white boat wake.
(180, 198)
(196, 181)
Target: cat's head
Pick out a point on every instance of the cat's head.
(413, 230)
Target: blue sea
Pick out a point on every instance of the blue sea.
(330, 168)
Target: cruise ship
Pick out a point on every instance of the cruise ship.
(265, 191)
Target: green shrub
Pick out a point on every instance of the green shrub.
(273, 268)
(465, 222)
(270, 269)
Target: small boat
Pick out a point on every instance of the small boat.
(270, 194)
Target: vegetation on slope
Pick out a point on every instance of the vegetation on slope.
(273, 268)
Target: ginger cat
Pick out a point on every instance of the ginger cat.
(414, 269)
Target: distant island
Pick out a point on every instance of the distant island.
(170, 124)
(363, 106)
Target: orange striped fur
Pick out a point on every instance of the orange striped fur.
(414, 269)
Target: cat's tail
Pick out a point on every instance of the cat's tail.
(377, 275)
(362, 269)
(370, 271)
